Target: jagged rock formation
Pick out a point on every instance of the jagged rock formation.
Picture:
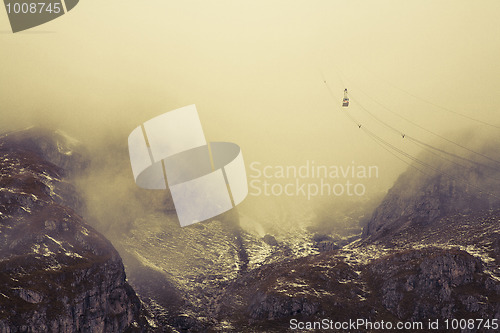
(56, 272)
(430, 275)
(434, 283)
(305, 288)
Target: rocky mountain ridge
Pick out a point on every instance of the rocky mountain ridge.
(432, 274)
(420, 198)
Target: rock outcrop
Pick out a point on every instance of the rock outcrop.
(420, 199)
(410, 285)
(57, 274)
(434, 283)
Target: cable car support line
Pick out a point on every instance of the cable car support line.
(388, 146)
(425, 129)
(424, 145)
(425, 100)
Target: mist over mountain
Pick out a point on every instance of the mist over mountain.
(454, 185)
(430, 250)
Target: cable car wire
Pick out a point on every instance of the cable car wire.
(425, 100)
(423, 145)
(425, 129)
(381, 141)
(383, 146)
(427, 165)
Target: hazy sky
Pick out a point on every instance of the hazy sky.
(255, 71)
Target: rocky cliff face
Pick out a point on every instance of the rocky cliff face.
(434, 283)
(419, 199)
(56, 272)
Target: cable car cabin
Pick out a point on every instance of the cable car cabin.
(345, 100)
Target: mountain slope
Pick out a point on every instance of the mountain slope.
(56, 272)
(438, 272)
(421, 198)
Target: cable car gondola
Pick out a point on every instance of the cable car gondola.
(345, 100)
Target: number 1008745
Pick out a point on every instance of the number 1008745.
(33, 8)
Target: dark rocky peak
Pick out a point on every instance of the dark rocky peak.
(429, 283)
(34, 166)
(409, 285)
(56, 272)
